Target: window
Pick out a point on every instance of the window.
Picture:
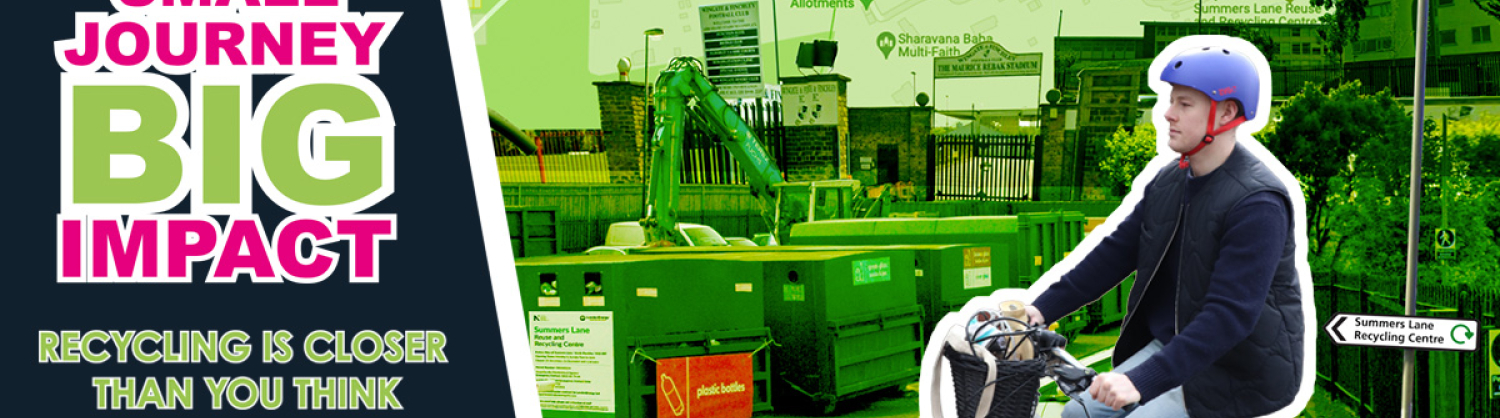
(1378, 10)
(1372, 45)
(1296, 31)
(1448, 37)
(1445, 2)
(1481, 34)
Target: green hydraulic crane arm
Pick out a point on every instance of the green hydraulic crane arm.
(684, 79)
(523, 141)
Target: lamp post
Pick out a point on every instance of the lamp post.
(1448, 163)
(913, 86)
(653, 33)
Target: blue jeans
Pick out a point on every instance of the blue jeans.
(1169, 404)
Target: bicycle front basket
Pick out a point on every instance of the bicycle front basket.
(1015, 387)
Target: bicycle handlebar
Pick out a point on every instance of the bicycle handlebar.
(1072, 377)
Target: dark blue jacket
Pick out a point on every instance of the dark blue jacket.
(1216, 282)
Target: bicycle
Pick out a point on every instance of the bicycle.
(990, 362)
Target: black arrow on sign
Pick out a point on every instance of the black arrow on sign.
(1336, 328)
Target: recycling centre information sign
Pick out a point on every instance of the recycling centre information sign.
(1411, 332)
(574, 354)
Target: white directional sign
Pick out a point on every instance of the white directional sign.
(1415, 332)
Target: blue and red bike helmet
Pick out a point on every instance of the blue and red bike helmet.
(1221, 74)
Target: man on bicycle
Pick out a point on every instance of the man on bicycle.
(1215, 322)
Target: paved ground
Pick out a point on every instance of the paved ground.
(1092, 348)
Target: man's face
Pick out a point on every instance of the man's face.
(1188, 117)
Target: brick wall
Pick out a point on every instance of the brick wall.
(622, 117)
(907, 128)
(811, 153)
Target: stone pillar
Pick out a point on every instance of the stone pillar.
(817, 152)
(622, 117)
(1059, 155)
(914, 154)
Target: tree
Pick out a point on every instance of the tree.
(1126, 153)
(1369, 224)
(1489, 6)
(1342, 25)
(1360, 226)
(1318, 137)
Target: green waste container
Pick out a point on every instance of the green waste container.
(1051, 236)
(1041, 232)
(847, 324)
(1030, 241)
(600, 324)
(1070, 232)
(947, 275)
(533, 230)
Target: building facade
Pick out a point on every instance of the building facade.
(1298, 56)
(1463, 58)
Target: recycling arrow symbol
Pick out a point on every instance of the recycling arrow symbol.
(1468, 334)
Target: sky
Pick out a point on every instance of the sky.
(539, 58)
